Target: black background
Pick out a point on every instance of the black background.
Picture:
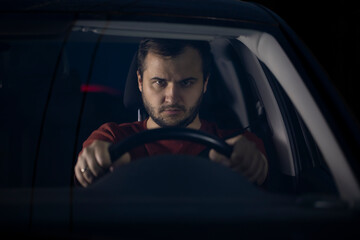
(331, 31)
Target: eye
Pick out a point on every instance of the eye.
(186, 83)
(160, 83)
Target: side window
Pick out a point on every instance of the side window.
(315, 175)
(312, 173)
(86, 95)
(27, 68)
(104, 88)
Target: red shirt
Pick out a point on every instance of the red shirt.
(113, 132)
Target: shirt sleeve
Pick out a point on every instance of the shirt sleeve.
(105, 132)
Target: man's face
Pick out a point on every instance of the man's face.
(172, 88)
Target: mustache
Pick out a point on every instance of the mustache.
(173, 106)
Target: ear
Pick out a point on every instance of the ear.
(206, 83)
(139, 79)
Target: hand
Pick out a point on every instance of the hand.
(245, 158)
(94, 160)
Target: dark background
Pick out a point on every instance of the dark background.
(331, 31)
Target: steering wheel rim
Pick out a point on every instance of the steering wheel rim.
(187, 134)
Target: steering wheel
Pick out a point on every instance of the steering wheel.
(117, 150)
(170, 175)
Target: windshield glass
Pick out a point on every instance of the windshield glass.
(59, 88)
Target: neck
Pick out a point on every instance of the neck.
(196, 124)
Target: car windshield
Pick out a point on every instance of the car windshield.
(62, 86)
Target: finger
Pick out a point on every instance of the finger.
(84, 170)
(102, 156)
(247, 165)
(80, 177)
(124, 159)
(263, 175)
(260, 174)
(94, 168)
(86, 163)
(254, 163)
(247, 159)
(99, 161)
(88, 176)
(78, 173)
(243, 154)
(233, 140)
(255, 174)
(217, 157)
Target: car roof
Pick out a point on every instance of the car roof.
(226, 10)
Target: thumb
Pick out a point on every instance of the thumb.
(233, 140)
(124, 159)
(217, 157)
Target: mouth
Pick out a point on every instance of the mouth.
(172, 111)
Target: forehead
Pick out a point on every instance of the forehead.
(188, 60)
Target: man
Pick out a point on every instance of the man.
(172, 77)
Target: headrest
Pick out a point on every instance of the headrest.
(132, 95)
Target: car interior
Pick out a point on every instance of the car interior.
(60, 90)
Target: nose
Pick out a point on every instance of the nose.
(172, 94)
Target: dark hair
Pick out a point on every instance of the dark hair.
(173, 48)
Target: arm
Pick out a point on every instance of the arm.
(94, 161)
(246, 159)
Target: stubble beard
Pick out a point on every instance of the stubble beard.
(163, 122)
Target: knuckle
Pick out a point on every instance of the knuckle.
(124, 159)
(213, 155)
(102, 155)
(81, 180)
(87, 151)
(93, 168)
(88, 176)
(80, 160)
(77, 165)
(102, 163)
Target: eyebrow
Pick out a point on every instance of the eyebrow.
(185, 79)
